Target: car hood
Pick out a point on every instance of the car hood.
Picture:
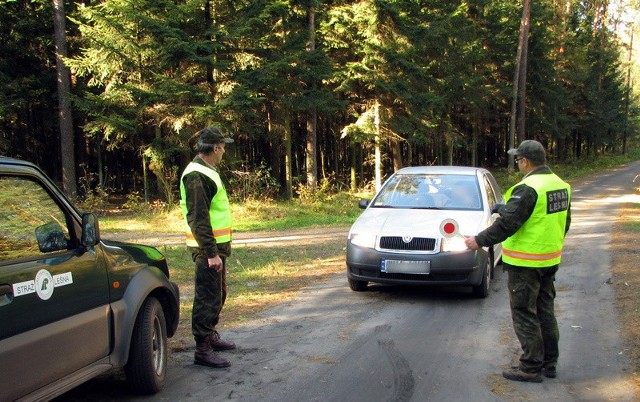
(124, 256)
(417, 222)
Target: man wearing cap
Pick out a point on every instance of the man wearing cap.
(207, 216)
(532, 226)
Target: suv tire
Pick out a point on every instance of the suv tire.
(146, 368)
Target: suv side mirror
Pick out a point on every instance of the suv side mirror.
(90, 230)
(50, 237)
(496, 208)
(363, 204)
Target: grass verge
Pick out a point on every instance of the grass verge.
(322, 210)
(625, 247)
(257, 276)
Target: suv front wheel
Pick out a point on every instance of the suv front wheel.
(147, 366)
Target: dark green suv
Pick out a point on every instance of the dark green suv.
(73, 306)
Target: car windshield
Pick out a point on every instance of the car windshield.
(430, 191)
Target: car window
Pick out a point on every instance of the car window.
(430, 191)
(31, 223)
(490, 193)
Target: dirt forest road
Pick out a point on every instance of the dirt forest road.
(413, 344)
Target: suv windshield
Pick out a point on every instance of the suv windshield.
(430, 191)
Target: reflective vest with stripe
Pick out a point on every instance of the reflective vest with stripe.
(538, 242)
(219, 210)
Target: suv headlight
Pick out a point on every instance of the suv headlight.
(367, 240)
(455, 243)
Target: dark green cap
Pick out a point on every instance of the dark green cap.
(532, 150)
(212, 135)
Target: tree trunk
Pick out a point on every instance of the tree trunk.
(312, 118)
(474, 143)
(67, 148)
(377, 152)
(145, 178)
(524, 34)
(522, 88)
(210, 71)
(353, 163)
(627, 89)
(397, 155)
(288, 174)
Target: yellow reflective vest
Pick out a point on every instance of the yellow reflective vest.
(538, 243)
(219, 210)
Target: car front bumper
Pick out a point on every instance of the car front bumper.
(463, 268)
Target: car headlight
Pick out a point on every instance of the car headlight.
(455, 243)
(367, 240)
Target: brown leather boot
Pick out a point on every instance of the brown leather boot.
(218, 344)
(205, 356)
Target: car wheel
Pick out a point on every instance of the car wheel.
(482, 290)
(356, 285)
(147, 366)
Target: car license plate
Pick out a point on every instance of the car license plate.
(405, 267)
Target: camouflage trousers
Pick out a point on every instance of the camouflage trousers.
(532, 294)
(210, 295)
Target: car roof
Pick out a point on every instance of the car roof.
(13, 161)
(461, 170)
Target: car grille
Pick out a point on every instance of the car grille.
(416, 243)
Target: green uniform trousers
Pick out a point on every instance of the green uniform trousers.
(210, 295)
(532, 294)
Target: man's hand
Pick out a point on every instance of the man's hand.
(471, 243)
(215, 263)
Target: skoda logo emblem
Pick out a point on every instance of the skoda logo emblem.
(407, 239)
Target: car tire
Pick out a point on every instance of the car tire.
(146, 368)
(357, 286)
(482, 290)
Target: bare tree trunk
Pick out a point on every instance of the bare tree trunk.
(627, 89)
(474, 142)
(522, 89)
(397, 155)
(524, 35)
(210, 72)
(377, 152)
(288, 173)
(353, 163)
(312, 118)
(67, 146)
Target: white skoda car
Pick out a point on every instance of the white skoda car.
(412, 232)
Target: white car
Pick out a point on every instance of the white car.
(412, 233)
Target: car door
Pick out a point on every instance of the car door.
(54, 311)
(494, 196)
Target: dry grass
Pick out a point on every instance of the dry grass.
(625, 247)
(259, 276)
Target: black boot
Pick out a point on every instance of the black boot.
(205, 356)
(218, 344)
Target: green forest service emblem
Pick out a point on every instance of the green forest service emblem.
(44, 284)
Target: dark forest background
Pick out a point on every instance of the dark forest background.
(314, 92)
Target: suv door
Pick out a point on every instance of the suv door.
(53, 293)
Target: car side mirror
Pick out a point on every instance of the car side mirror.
(90, 230)
(363, 204)
(496, 208)
(50, 237)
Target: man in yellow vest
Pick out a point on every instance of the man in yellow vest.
(532, 226)
(207, 217)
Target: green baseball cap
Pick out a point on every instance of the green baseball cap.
(213, 135)
(530, 149)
